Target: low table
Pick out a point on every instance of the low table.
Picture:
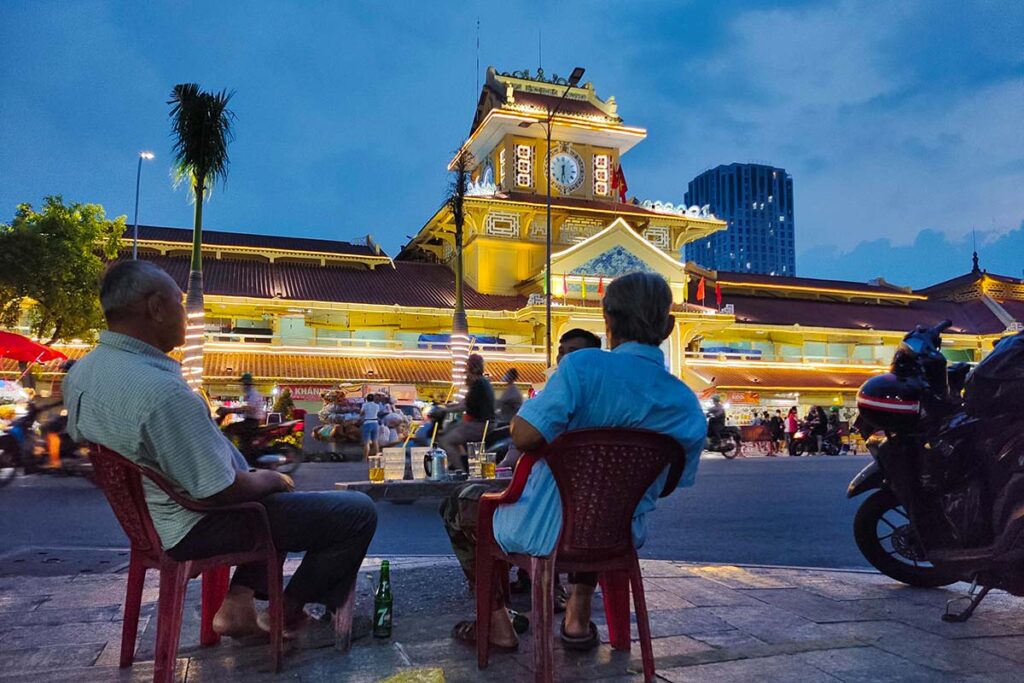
(408, 490)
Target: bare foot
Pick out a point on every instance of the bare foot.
(236, 618)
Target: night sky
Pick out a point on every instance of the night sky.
(899, 121)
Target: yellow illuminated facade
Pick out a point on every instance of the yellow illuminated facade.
(313, 313)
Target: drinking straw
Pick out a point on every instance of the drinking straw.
(434, 435)
(486, 425)
(407, 437)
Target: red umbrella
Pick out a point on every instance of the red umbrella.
(19, 348)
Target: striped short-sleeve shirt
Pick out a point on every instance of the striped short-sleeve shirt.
(130, 397)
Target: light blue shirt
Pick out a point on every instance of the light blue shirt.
(130, 397)
(627, 387)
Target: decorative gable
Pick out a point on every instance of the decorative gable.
(614, 262)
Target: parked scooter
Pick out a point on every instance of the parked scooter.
(948, 469)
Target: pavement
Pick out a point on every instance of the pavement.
(60, 620)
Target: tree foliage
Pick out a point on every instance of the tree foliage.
(201, 127)
(53, 259)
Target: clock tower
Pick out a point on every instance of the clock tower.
(508, 137)
(506, 227)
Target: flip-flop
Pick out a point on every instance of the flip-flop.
(465, 633)
(580, 643)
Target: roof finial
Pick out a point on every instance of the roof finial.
(974, 258)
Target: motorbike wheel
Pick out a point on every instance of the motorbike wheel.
(8, 466)
(796, 448)
(885, 537)
(294, 458)
(731, 453)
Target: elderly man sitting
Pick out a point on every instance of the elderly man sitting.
(627, 387)
(128, 395)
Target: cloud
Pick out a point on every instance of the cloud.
(890, 117)
(930, 258)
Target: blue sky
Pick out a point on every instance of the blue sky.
(900, 121)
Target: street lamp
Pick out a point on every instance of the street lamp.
(574, 79)
(135, 230)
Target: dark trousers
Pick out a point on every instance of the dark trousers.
(459, 514)
(332, 528)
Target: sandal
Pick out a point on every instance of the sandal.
(580, 643)
(465, 632)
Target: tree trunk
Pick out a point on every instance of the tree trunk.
(192, 363)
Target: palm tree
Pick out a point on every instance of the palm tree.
(201, 127)
(460, 326)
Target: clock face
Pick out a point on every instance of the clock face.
(566, 171)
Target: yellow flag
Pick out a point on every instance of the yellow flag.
(583, 287)
(686, 287)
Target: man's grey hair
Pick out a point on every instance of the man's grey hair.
(639, 308)
(128, 282)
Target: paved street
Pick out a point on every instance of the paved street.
(773, 511)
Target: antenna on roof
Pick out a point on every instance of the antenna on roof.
(540, 50)
(974, 258)
(476, 93)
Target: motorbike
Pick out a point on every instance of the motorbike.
(947, 471)
(271, 447)
(17, 445)
(804, 441)
(727, 441)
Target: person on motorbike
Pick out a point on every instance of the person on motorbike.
(817, 424)
(477, 410)
(716, 418)
(253, 410)
(511, 399)
(791, 424)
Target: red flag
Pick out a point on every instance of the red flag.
(619, 183)
(718, 294)
(600, 286)
(700, 290)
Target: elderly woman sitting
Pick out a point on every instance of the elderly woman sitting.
(626, 387)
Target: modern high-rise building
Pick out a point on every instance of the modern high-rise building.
(757, 203)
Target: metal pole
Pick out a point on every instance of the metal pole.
(547, 252)
(135, 230)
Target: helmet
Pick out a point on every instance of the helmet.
(888, 403)
(716, 398)
(246, 378)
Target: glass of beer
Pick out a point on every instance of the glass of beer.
(376, 469)
(488, 465)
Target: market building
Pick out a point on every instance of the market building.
(309, 314)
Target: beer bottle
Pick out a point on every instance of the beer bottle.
(382, 604)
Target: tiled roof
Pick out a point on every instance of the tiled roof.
(755, 279)
(340, 369)
(239, 239)
(1014, 308)
(748, 377)
(406, 284)
(970, 317)
(218, 365)
(969, 278)
(565, 106)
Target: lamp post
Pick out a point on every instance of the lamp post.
(573, 80)
(135, 229)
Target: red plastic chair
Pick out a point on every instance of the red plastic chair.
(121, 482)
(601, 475)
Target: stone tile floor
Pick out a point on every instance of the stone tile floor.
(710, 623)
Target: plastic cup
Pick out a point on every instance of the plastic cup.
(474, 453)
(394, 463)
